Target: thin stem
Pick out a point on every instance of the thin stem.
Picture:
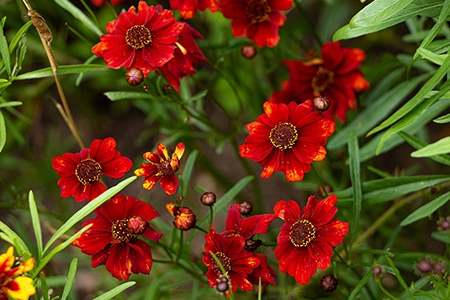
(181, 246)
(320, 180)
(305, 14)
(211, 215)
(201, 229)
(389, 295)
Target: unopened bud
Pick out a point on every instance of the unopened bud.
(328, 283)
(208, 198)
(137, 225)
(424, 266)
(134, 76)
(378, 271)
(185, 220)
(443, 224)
(223, 283)
(248, 51)
(321, 103)
(245, 208)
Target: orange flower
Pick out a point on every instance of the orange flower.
(12, 282)
(161, 168)
(287, 138)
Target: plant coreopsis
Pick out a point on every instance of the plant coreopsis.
(259, 20)
(13, 283)
(162, 168)
(186, 55)
(188, 8)
(113, 241)
(81, 172)
(236, 262)
(306, 238)
(144, 40)
(287, 138)
(336, 76)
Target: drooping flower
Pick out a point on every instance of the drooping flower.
(188, 8)
(237, 262)
(162, 168)
(336, 76)
(13, 283)
(287, 138)
(144, 40)
(101, 2)
(307, 237)
(187, 55)
(80, 172)
(259, 20)
(247, 228)
(113, 241)
(185, 218)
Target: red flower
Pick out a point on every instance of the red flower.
(143, 40)
(287, 138)
(188, 8)
(187, 54)
(237, 262)
(161, 168)
(80, 172)
(101, 2)
(258, 19)
(113, 238)
(335, 76)
(247, 228)
(306, 239)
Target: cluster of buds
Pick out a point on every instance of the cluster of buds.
(426, 266)
(184, 217)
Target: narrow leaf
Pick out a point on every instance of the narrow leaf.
(4, 52)
(187, 172)
(2, 132)
(419, 144)
(19, 243)
(69, 69)
(440, 147)
(10, 104)
(78, 14)
(356, 291)
(441, 236)
(355, 177)
(443, 119)
(431, 56)
(70, 278)
(378, 11)
(18, 36)
(114, 96)
(44, 287)
(115, 291)
(35, 221)
(426, 210)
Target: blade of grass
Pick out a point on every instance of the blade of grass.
(187, 173)
(115, 291)
(355, 177)
(19, 243)
(70, 278)
(426, 210)
(35, 221)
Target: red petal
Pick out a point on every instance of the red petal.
(169, 184)
(333, 233)
(118, 262)
(332, 55)
(287, 211)
(324, 211)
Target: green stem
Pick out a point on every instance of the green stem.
(305, 14)
(181, 246)
(389, 295)
(201, 229)
(320, 180)
(211, 214)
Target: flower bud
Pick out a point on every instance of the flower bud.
(223, 283)
(137, 225)
(321, 103)
(443, 224)
(208, 198)
(439, 268)
(424, 266)
(328, 283)
(378, 272)
(248, 51)
(185, 220)
(134, 76)
(246, 208)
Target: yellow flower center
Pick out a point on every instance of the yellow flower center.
(258, 11)
(302, 233)
(88, 171)
(224, 261)
(283, 136)
(138, 37)
(323, 79)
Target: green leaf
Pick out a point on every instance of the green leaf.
(70, 69)
(441, 236)
(87, 209)
(387, 189)
(10, 104)
(44, 287)
(355, 177)
(443, 119)
(417, 99)
(18, 242)
(114, 96)
(18, 36)
(431, 56)
(78, 14)
(188, 171)
(376, 111)
(419, 144)
(115, 291)
(356, 291)
(35, 221)
(378, 11)
(426, 210)
(2, 132)
(440, 147)
(415, 286)
(4, 52)
(70, 278)
(399, 276)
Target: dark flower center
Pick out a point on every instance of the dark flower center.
(165, 169)
(283, 136)
(258, 11)
(225, 261)
(138, 37)
(88, 171)
(127, 229)
(302, 233)
(323, 79)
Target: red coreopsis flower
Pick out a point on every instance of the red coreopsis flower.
(161, 168)
(247, 228)
(80, 172)
(259, 20)
(13, 283)
(113, 239)
(144, 40)
(187, 55)
(188, 8)
(287, 138)
(230, 251)
(306, 238)
(101, 2)
(336, 76)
